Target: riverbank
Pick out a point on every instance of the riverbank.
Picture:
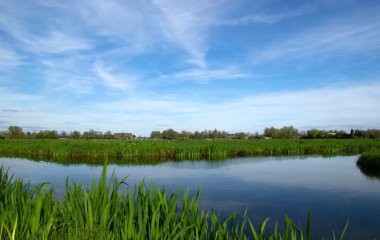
(370, 160)
(161, 150)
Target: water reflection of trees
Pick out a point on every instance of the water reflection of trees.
(371, 173)
(179, 163)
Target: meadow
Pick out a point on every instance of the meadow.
(136, 151)
(101, 211)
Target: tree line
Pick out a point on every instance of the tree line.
(286, 132)
(16, 132)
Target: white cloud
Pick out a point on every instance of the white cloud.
(334, 38)
(336, 106)
(272, 18)
(9, 58)
(341, 107)
(55, 42)
(187, 24)
(204, 75)
(122, 82)
(37, 30)
(67, 75)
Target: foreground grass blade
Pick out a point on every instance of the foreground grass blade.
(101, 211)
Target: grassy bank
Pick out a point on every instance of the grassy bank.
(370, 159)
(159, 150)
(102, 212)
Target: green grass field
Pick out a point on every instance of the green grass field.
(101, 211)
(136, 151)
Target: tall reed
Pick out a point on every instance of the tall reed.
(161, 150)
(370, 160)
(102, 211)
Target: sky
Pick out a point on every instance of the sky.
(143, 65)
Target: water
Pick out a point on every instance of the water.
(333, 189)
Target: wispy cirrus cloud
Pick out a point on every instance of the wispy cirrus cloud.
(40, 33)
(9, 58)
(316, 107)
(205, 75)
(69, 74)
(269, 18)
(56, 42)
(121, 82)
(190, 65)
(186, 25)
(329, 106)
(338, 37)
(10, 110)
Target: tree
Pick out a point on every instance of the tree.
(51, 135)
(288, 132)
(108, 135)
(16, 132)
(169, 134)
(185, 135)
(63, 134)
(314, 133)
(241, 135)
(155, 135)
(75, 135)
(40, 135)
(271, 132)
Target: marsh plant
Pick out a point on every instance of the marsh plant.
(160, 150)
(370, 160)
(103, 211)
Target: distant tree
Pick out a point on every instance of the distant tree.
(92, 134)
(51, 135)
(63, 134)
(169, 134)
(240, 135)
(40, 135)
(155, 135)
(352, 133)
(16, 132)
(30, 135)
(185, 134)
(75, 135)
(288, 132)
(46, 135)
(271, 132)
(218, 134)
(257, 135)
(108, 135)
(314, 133)
(373, 133)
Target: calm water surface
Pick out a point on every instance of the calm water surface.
(332, 189)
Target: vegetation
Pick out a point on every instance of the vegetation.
(286, 132)
(159, 150)
(101, 211)
(370, 159)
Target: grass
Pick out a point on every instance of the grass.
(370, 160)
(118, 151)
(101, 211)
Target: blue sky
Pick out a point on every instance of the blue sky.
(146, 65)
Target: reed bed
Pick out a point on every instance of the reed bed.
(102, 211)
(161, 150)
(370, 160)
